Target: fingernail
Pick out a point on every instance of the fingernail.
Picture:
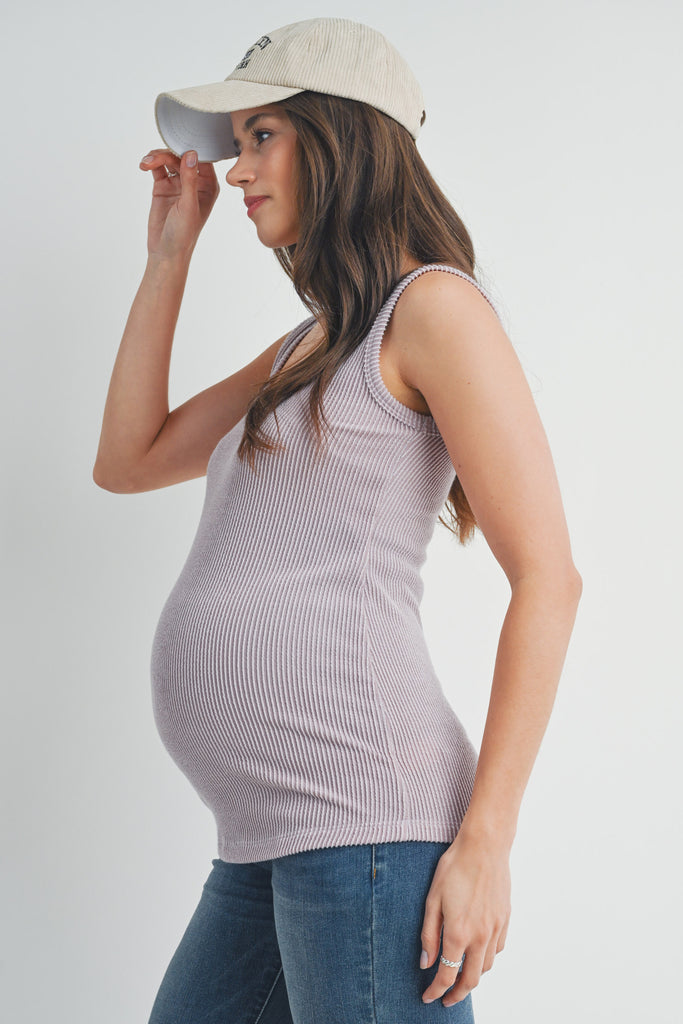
(147, 159)
(429, 1000)
(424, 958)
(191, 159)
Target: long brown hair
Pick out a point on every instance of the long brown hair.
(365, 198)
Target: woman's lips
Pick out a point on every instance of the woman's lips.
(255, 206)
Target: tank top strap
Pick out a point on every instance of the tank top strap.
(373, 345)
(388, 306)
(290, 343)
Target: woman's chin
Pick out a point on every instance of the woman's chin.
(275, 239)
(270, 242)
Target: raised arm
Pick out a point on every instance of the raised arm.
(142, 445)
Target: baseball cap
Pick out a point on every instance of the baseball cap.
(328, 55)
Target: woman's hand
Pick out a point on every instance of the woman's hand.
(182, 199)
(470, 897)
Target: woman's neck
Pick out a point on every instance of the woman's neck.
(409, 264)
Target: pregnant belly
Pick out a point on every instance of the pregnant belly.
(257, 684)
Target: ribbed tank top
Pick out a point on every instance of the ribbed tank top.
(291, 681)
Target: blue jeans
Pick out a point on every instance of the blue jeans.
(326, 936)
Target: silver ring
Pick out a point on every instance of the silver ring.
(171, 174)
(450, 963)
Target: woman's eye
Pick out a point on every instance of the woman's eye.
(255, 132)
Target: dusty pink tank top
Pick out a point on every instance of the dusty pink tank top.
(291, 681)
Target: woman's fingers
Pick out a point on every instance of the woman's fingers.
(155, 157)
(490, 957)
(446, 976)
(189, 177)
(458, 982)
(431, 931)
(470, 895)
(430, 938)
(162, 163)
(468, 978)
(165, 165)
(183, 196)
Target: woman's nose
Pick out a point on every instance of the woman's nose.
(239, 173)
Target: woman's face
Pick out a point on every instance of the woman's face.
(265, 141)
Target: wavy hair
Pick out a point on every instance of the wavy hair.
(365, 198)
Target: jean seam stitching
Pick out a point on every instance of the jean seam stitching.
(372, 937)
(265, 1003)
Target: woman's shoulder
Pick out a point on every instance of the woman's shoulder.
(432, 297)
(445, 287)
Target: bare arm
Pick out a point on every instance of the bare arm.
(142, 445)
(137, 400)
(457, 355)
(463, 363)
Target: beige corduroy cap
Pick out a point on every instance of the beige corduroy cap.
(329, 55)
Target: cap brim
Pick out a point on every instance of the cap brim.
(199, 117)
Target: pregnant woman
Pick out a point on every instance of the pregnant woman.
(363, 843)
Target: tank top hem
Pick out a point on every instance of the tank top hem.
(330, 836)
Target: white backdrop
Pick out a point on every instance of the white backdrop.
(555, 131)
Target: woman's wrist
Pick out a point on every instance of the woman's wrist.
(486, 834)
(178, 262)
